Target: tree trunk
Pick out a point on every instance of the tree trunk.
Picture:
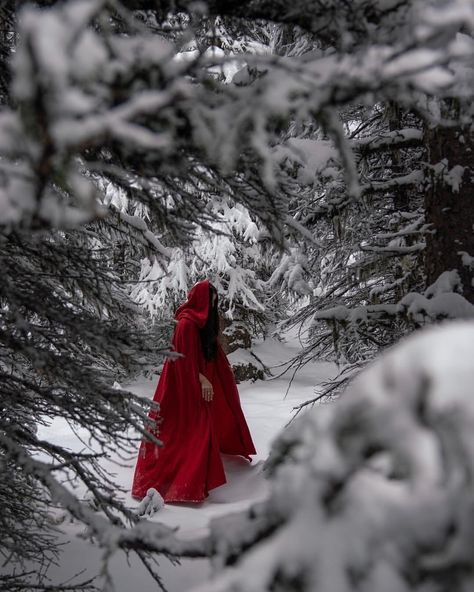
(449, 204)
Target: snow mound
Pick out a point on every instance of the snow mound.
(151, 503)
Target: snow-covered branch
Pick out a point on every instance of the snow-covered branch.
(371, 491)
(110, 533)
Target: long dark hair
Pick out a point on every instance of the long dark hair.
(210, 331)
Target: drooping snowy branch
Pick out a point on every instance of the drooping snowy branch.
(372, 492)
(110, 532)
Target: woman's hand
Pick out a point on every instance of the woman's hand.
(206, 388)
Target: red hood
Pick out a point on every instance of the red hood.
(196, 307)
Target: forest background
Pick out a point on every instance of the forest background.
(315, 162)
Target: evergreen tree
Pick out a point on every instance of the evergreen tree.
(317, 140)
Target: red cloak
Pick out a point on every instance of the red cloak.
(193, 431)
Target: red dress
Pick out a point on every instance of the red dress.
(193, 431)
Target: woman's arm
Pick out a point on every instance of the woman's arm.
(206, 387)
(186, 341)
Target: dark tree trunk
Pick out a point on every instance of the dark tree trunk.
(450, 206)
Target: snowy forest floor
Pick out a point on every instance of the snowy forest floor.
(267, 410)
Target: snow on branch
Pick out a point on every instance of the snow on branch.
(359, 314)
(112, 533)
(403, 138)
(318, 158)
(372, 492)
(142, 232)
(442, 300)
(394, 249)
(412, 178)
(66, 73)
(85, 90)
(439, 301)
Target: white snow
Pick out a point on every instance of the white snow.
(313, 157)
(452, 177)
(448, 281)
(466, 259)
(151, 503)
(445, 305)
(440, 300)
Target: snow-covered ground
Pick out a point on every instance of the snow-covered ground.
(267, 410)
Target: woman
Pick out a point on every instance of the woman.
(200, 414)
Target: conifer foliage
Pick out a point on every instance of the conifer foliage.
(321, 152)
